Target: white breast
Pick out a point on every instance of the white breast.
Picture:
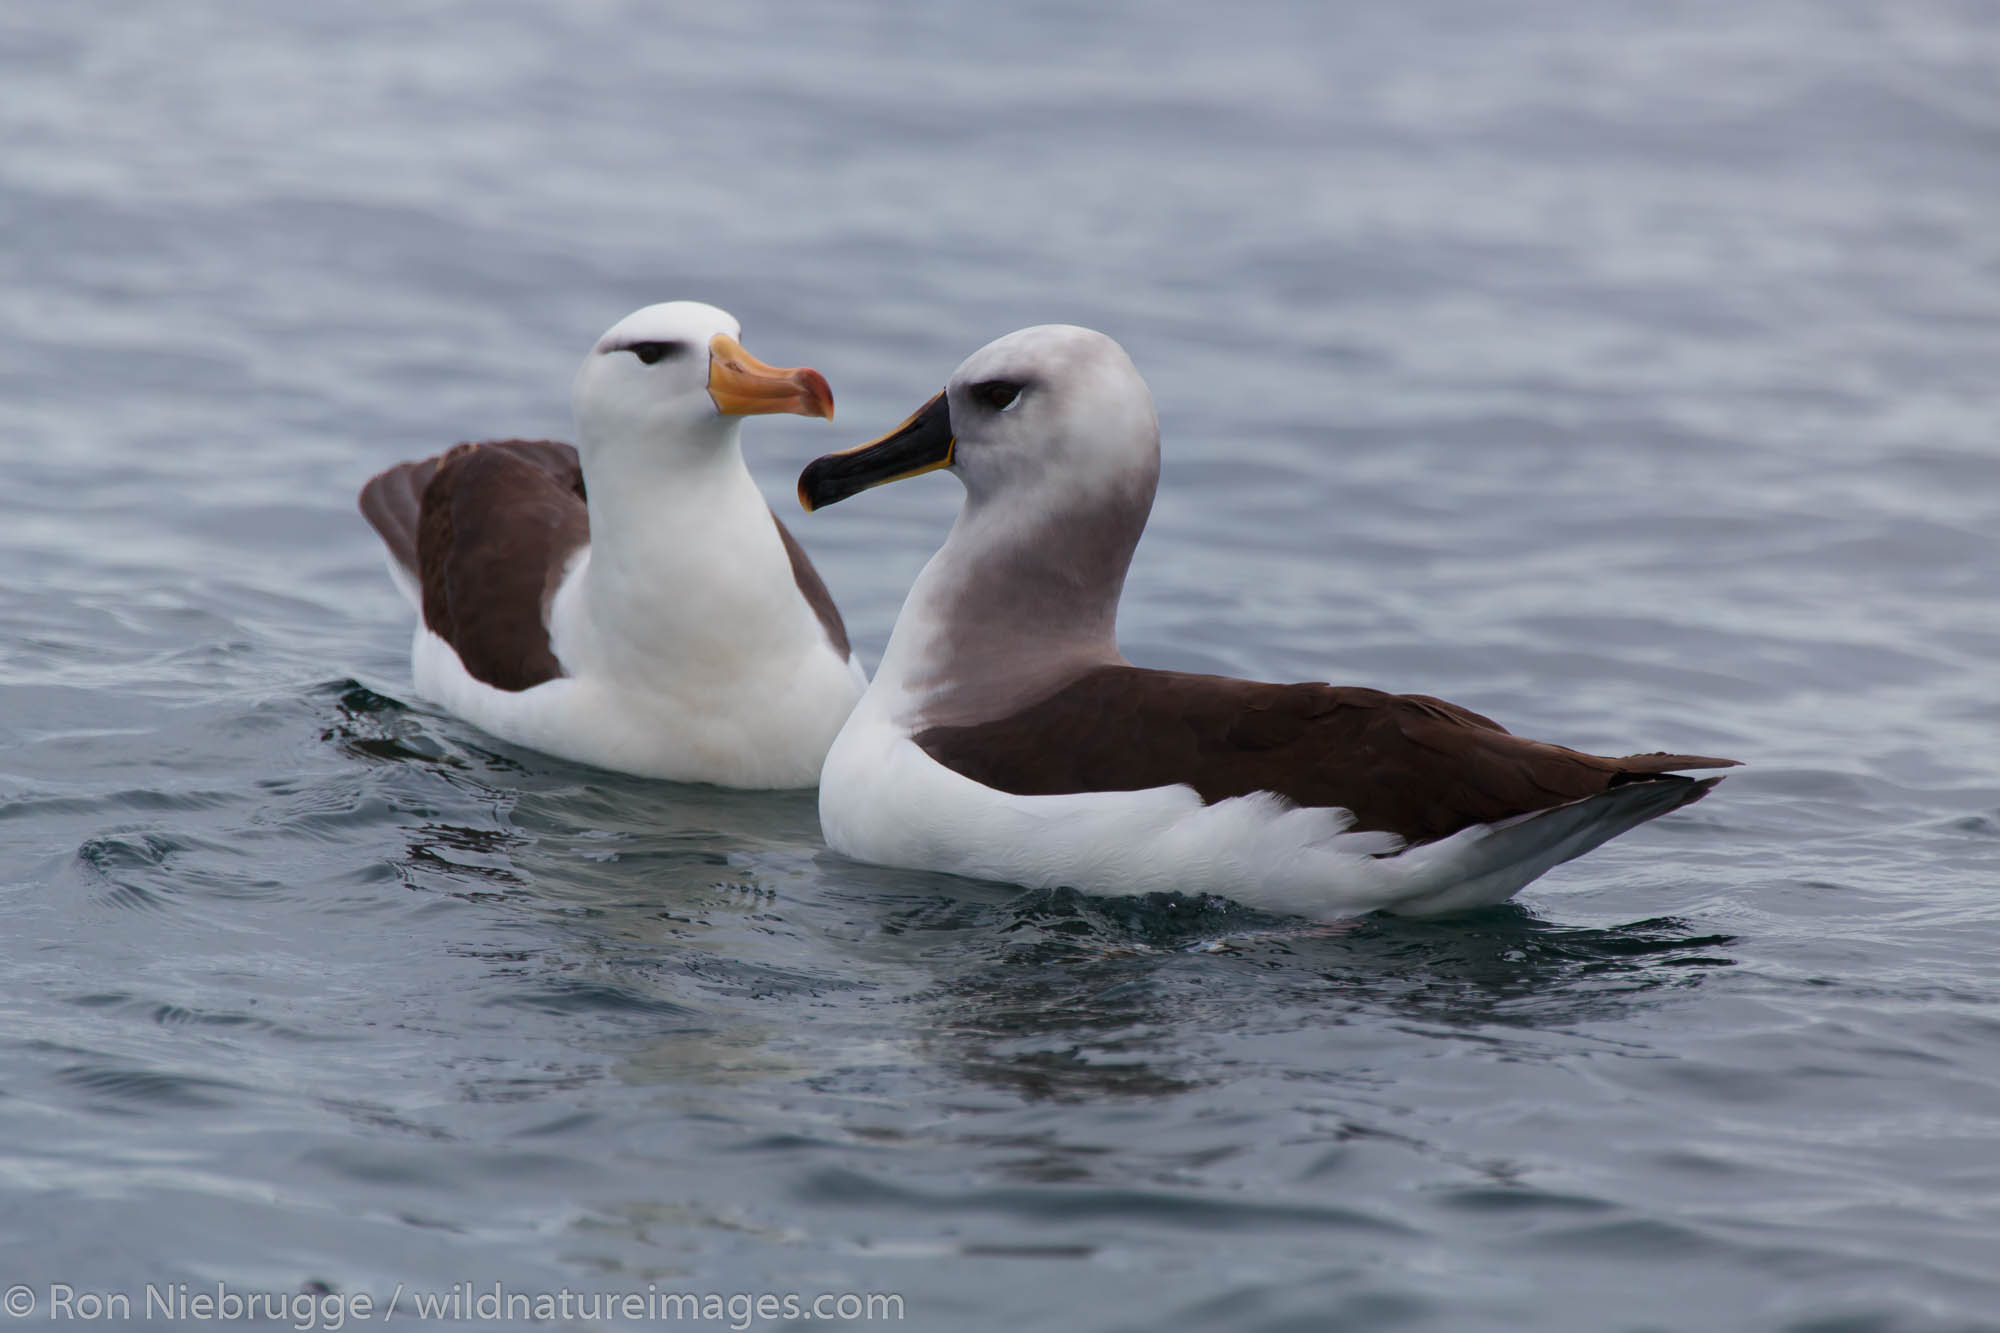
(882, 799)
(693, 658)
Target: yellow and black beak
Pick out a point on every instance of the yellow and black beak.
(741, 386)
(924, 443)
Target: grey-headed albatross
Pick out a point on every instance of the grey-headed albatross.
(1006, 737)
(631, 603)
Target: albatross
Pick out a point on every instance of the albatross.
(1005, 736)
(632, 602)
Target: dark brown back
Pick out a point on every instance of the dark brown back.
(1404, 763)
(487, 529)
(813, 589)
(393, 504)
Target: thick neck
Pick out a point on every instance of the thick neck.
(680, 548)
(635, 486)
(1017, 603)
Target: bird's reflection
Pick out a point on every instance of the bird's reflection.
(1063, 997)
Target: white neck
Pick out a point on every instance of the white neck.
(635, 492)
(686, 576)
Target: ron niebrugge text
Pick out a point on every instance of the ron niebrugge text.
(331, 1311)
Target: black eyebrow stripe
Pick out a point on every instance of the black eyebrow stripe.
(666, 347)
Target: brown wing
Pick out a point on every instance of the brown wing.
(1405, 763)
(393, 504)
(813, 589)
(487, 530)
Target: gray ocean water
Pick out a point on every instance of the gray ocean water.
(1628, 371)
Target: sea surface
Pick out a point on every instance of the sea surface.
(1628, 370)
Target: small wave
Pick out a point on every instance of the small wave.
(148, 1087)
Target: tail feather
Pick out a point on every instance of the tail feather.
(1505, 856)
(1645, 765)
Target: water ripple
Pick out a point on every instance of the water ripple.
(1622, 371)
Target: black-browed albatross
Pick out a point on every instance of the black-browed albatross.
(1006, 737)
(633, 602)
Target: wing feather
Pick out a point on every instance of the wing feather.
(487, 530)
(1406, 764)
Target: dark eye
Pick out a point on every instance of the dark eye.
(997, 394)
(651, 352)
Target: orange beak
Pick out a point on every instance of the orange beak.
(740, 385)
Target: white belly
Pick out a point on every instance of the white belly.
(769, 726)
(883, 800)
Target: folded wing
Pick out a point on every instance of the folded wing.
(486, 531)
(1402, 763)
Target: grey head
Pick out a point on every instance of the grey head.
(1052, 432)
(1047, 418)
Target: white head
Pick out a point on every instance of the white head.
(675, 373)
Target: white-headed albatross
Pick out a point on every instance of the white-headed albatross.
(1006, 737)
(633, 602)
